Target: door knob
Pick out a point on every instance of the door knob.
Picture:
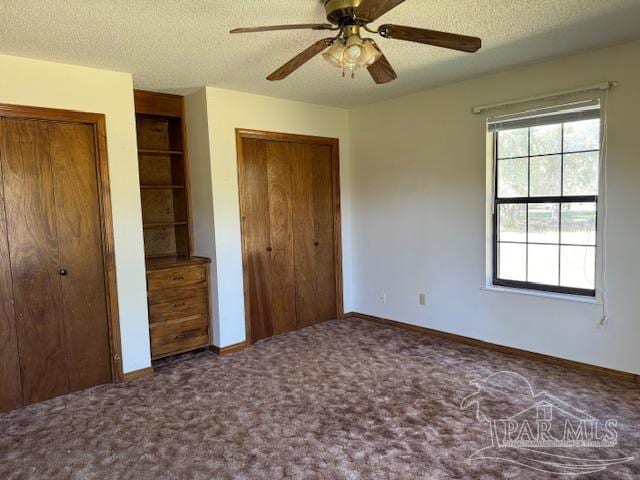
(63, 272)
(269, 249)
(316, 243)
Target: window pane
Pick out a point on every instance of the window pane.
(578, 266)
(580, 175)
(512, 261)
(546, 176)
(582, 135)
(513, 177)
(546, 139)
(543, 264)
(544, 222)
(513, 143)
(513, 222)
(550, 243)
(578, 223)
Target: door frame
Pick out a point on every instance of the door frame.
(98, 122)
(334, 144)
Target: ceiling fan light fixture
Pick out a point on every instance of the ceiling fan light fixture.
(372, 54)
(352, 53)
(335, 54)
(354, 50)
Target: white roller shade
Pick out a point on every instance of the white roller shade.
(546, 116)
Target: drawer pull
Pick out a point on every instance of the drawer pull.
(180, 337)
(176, 305)
(179, 277)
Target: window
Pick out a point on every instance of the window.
(546, 197)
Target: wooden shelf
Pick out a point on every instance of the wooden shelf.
(169, 261)
(164, 224)
(163, 174)
(144, 151)
(162, 187)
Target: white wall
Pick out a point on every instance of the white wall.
(413, 201)
(227, 110)
(44, 84)
(418, 214)
(201, 183)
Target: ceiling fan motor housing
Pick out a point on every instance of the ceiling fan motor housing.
(342, 12)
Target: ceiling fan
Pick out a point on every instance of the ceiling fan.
(349, 51)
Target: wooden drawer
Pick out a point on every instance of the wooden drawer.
(176, 277)
(179, 335)
(178, 325)
(177, 294)
(178, 309)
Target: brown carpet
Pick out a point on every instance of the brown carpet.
(340, 400)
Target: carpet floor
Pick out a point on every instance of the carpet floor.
(339, 400)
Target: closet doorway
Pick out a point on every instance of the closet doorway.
(58, 307)
(289, 188)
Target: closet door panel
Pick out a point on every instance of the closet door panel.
(256, 235)
(33, 249)
(304, 234)
(78, 225)
(323, 214)
(283, 288)
(10, 383)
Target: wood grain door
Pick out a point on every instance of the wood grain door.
(10, 381)
(313, 234)
(288, 215)
(256, 238)
(79, 234)
(33, 251)
(268, 238)
(53, 226)
(280, 201)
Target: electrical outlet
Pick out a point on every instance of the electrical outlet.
(422, 298)
(382, 298)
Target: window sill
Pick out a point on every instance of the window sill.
(539, 293)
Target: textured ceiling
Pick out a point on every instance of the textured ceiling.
(176, 45)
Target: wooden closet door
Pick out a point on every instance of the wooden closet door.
(283, 288)
(10, 383)
(289, 210)
(268, 237)
(33, 251)
(313, 234)
(325, 235)
(78, 226)
(256, 237)
(54, 240)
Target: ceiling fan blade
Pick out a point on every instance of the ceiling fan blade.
(299, 60)
(298, 26)
(431, 37)
(382, 71)
(373, 9)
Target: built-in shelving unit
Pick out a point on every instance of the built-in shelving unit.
(177, 283)
(162, 167)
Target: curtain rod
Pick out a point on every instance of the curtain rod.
(549, 96)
